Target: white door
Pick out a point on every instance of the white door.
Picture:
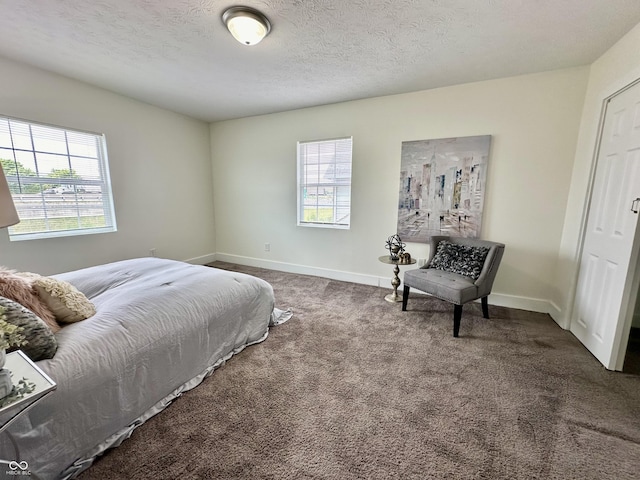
(599, 318)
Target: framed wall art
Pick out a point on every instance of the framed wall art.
(442, 187)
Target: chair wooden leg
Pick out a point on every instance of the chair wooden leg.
(405, 297)
(485, 307)
(457, 315)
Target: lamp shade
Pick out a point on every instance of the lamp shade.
(8, 214)
(246, 24)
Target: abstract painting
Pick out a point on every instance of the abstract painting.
(442, 187)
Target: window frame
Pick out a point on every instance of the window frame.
(303, 184)
(102, 182)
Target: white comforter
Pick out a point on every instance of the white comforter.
(161, 326)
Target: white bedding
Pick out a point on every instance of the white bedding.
(161, 326)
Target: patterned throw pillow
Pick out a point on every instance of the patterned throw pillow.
(41, 342)
(462, 259)
(66, 302)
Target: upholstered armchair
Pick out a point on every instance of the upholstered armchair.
(459, 270)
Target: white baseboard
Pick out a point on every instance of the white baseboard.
(557, 314)
(503, 300)
(522, 303)
(303, 269)
(202, 260)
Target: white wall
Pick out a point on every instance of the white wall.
(618, 67)
(534, 122)
(160, 171)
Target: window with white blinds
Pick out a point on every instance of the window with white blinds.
(58, 178)
(324, 183)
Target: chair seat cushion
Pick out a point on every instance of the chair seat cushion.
(452, 287)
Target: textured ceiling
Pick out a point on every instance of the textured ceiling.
(177, 54)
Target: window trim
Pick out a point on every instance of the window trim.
(104, 182)
(301, 185)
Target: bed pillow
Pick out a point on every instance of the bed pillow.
(67, 303)
(461, 259)
(19, 289)
(41, 342)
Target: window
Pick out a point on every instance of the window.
(59, 180)
(324, 183)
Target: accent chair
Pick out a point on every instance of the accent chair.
(459, 270)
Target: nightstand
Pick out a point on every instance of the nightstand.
(21, 367)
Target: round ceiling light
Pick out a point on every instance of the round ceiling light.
(246, 24)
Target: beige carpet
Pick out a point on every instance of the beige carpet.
(353, 388)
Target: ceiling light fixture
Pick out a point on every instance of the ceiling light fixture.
(246, 24)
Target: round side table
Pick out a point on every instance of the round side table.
(395, 281)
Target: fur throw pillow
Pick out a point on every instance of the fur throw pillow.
(19, 289)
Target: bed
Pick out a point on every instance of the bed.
(160, 328)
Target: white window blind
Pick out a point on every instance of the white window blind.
(59, 180)
(324, 183)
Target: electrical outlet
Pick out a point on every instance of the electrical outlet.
(153, 252)
(267, 247)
